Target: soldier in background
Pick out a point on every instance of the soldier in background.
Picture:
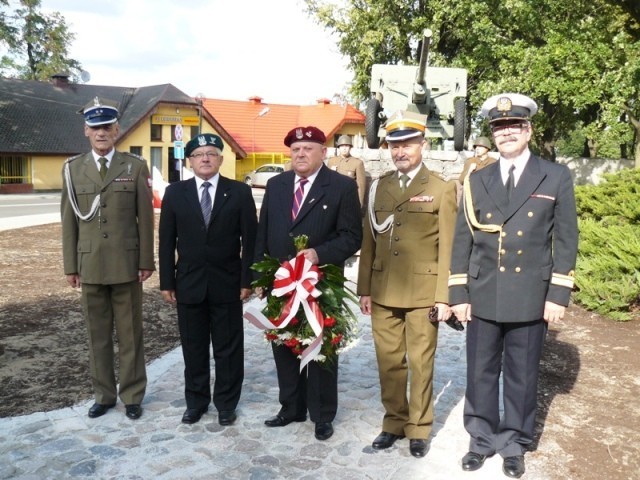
(481, 159)
(350, 166)
(107, 244)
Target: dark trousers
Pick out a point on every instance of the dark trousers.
(314, 389)
(219, 325)
(514, 349)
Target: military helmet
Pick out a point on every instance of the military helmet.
(344, 140)
(482, 142)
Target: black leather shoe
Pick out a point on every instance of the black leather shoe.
(133, 411)
(418, 447)
(513, 466)
(193, 415)
(226, 417)
(472, 461)
(385, 440)
(99, 409)
(279, 421)
(324, 430)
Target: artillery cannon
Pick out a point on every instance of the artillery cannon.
(435, 94)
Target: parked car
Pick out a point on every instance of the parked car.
(258, 178)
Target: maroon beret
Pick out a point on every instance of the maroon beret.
(305, 134)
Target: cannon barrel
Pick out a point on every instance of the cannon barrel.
(424, 55)
(420, 92)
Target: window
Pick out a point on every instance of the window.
(194, 132)
(156, 133)
(136, 150)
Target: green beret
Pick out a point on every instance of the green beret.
(203, 140)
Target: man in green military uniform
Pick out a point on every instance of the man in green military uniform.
(350, 166)
(107, 242)
(403, 273)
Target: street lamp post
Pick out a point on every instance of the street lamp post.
(200, 99)
(262, 113)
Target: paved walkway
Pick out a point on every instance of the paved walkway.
(67, 444)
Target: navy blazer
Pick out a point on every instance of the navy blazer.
(330, 216)
(507, 275)
(212, 261)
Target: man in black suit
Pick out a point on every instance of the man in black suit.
(212, 222)
(327, 210)
(512, 268)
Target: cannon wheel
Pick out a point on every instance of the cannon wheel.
(459, 120)
(372, 122)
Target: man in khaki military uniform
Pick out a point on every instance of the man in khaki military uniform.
(481, 159)
(403, 273)
(107, 242)
(350, 166)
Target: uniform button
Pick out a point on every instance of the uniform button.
(503, 251)
(503, 234)
(396, 238)
(395, 253)
(517, 269)
(519, 252)
(398, 224)
(530, 214)
(103, 205)
(290, 234)
(489, 215)
(519, 233)
(105, 235)
(399, 209)
(104, 220)
(502, 269)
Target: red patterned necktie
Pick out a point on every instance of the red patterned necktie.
(297, 198)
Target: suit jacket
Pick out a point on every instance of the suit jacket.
(212, 261)
(119, 240)
(330, 216)
(508, 275)
(408, 265)
(353, 168)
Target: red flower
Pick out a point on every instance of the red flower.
(336, 340)
(329, 322)
(292, 342)
(294, 321)
(271, 336)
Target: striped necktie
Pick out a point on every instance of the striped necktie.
(205, 203)
(297, 198)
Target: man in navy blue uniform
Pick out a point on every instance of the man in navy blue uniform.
(512, 268)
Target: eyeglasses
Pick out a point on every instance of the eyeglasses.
(503, 128)
(200, 155)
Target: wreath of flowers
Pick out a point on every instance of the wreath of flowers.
(306, 308)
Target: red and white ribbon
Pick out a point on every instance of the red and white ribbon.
(297, 279)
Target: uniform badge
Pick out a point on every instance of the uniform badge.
(202, 140)
(299, 134)
(421, 198)
(504, 104)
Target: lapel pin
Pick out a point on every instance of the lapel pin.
(324, 207)
(312, 200)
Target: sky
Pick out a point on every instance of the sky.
(232, 49)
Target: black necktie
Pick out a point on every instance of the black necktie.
(510, 181)
(205, 202)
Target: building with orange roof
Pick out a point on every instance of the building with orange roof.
(259, 128)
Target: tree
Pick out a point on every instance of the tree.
(36, 44)
(577, 59)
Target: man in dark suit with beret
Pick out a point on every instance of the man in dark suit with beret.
(107, 244)
(211, 221)
(315, 201)
(512, 270)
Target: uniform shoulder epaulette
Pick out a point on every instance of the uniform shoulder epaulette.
(71, 159)
(437, 176)
(387, 173)
(135, 155)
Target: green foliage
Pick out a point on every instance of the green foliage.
(578, 60)
(37, 44)
(608, 267)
